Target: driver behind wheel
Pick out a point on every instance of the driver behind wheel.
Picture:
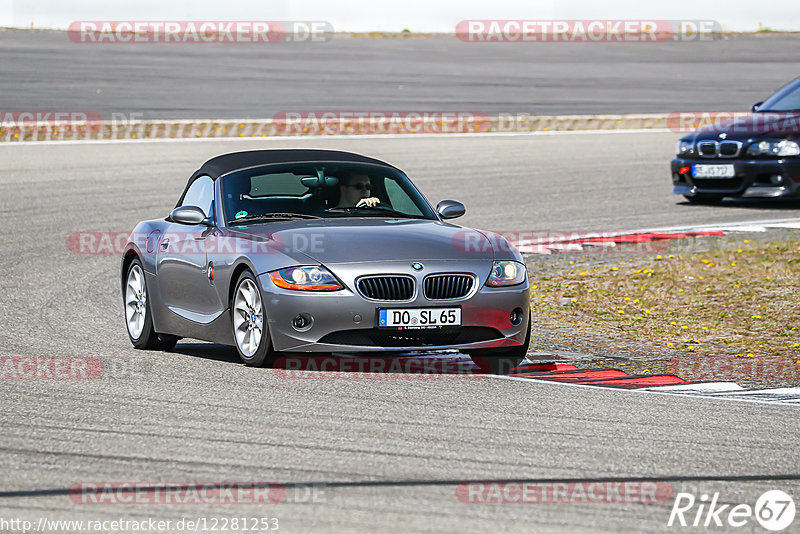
(354, 192)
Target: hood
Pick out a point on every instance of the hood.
(752, 127)
(350, 240)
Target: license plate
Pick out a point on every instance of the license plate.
(418, 318)
(713, 171)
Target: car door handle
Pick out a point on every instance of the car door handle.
(164, 244)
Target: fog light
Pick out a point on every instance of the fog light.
(302, 322)
(516, 316)
(776, 179)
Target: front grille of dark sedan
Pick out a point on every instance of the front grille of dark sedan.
(386, 287)
(447, 286)
(719, 149)
(707, 149)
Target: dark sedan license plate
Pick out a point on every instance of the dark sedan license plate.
(419, 318)
(721, 171)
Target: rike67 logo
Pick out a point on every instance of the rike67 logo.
(774, 510)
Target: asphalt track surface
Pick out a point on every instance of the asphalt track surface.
(45, 70)
(390, 451)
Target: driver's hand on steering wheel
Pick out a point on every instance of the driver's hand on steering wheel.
(368, 202)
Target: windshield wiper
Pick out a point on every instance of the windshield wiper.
(272, 217)
(383, 209)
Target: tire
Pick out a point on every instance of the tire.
(704, 199)
(138, 318)
(500, 361)
(249, 324)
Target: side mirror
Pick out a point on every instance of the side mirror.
(450, 209)
(756, 106)
(189, 215)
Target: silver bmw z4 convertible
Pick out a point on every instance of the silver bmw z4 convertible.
(320, 251)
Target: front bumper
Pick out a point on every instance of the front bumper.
(344, 321)
(752, 179)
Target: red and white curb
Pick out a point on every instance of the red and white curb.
(549, 243)
(454, 364)
(615, 378)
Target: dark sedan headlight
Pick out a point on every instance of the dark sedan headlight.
(774, 148)
(684, 147)
(506, 273)
(313, 278)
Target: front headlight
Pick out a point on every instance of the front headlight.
(684, 147)
(774, 148)
(506, 273)
(314, 278)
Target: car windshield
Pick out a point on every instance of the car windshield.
(786, 99)
(320, 189)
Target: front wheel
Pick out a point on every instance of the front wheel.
(138, 318)
(250, 330)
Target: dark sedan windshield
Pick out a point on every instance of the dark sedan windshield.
(786, 99)
(327, 190)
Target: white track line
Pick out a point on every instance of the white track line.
(651, 392)
(739, 226)
(342, 136)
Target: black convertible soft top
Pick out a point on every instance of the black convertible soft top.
(216, 167)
